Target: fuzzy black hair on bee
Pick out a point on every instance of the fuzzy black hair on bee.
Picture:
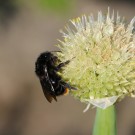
(46, 69)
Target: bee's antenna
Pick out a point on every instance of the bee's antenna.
(55, 51)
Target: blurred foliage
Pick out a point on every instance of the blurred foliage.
(8, 8)
(58, 6)
(117, 1)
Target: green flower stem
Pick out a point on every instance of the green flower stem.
(105, 122)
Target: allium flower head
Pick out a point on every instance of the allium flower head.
(102, 55)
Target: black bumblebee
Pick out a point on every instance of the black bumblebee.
(46, 69)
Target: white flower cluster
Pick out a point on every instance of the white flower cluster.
(102, 54)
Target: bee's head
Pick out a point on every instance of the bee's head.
(44, 58)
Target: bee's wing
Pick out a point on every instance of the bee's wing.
(46, 86)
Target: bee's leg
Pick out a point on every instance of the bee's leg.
(67, 85)
(62, 65)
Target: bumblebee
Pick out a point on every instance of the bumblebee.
(46, 69)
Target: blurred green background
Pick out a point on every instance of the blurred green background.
(28, 28)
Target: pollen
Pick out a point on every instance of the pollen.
(66, 91)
